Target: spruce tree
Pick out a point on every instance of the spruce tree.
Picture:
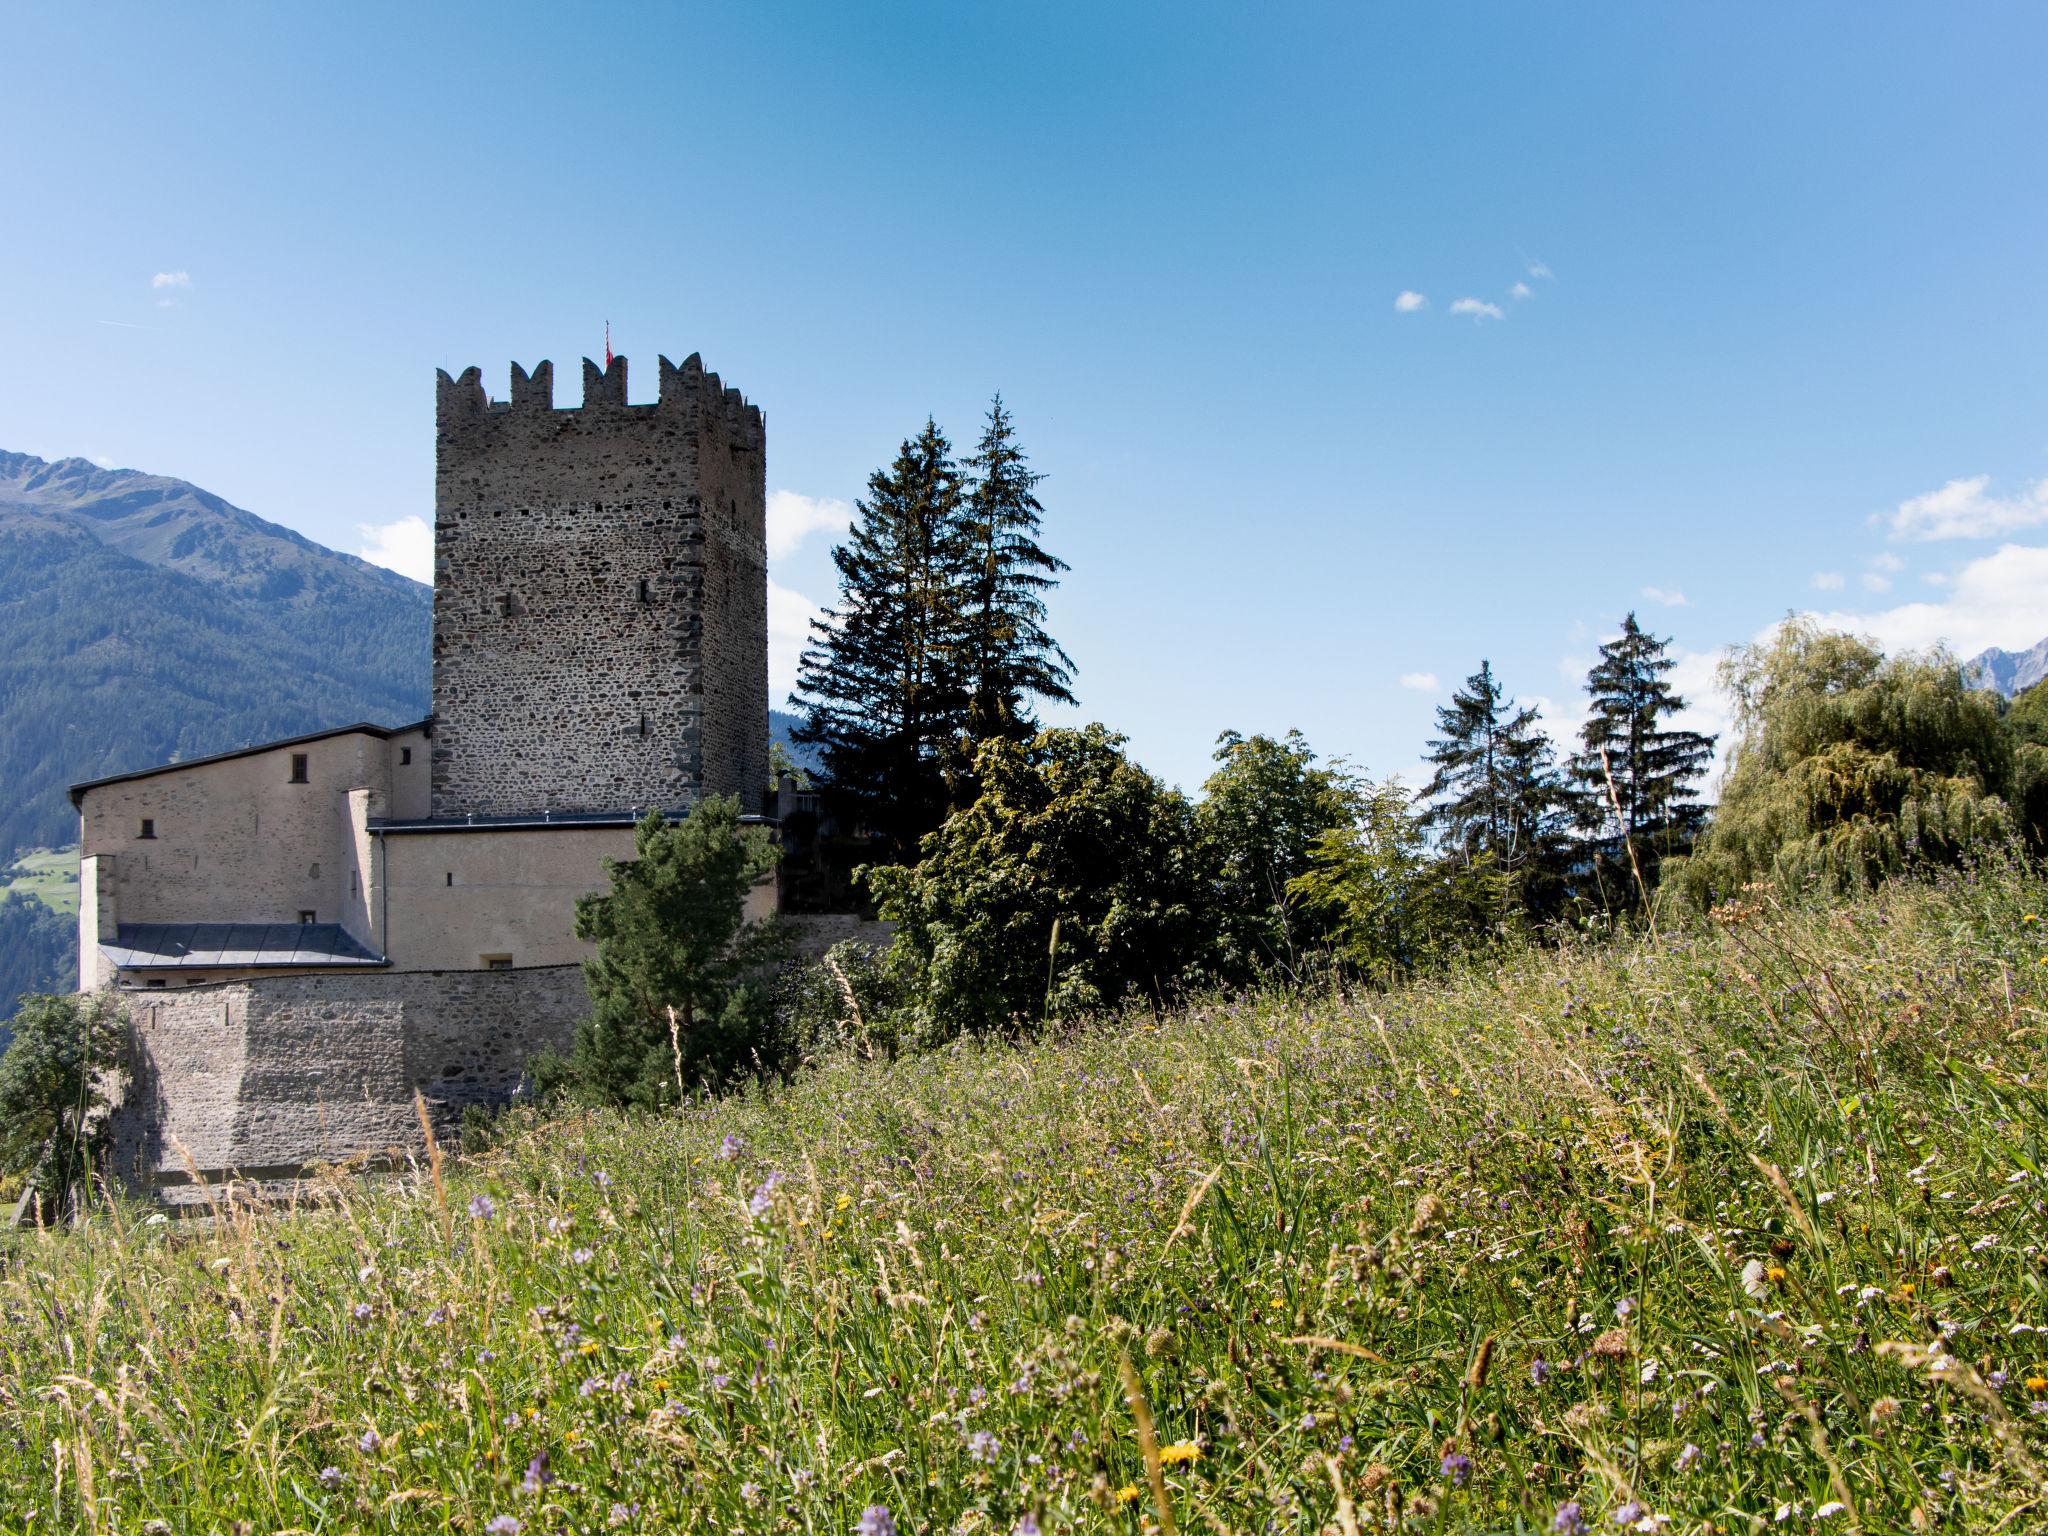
(1634, 780)
(1494, 799)
(879, 683)
(1007, 657)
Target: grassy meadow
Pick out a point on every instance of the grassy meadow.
(1734, 1229)
(46, 875)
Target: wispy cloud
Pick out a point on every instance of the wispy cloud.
(1886, 561)
(1521, 290)
(126, 325)
(789, 630)
(1669, 599)
(793, 518)
(1478, 309)
(1962, 509)
(1408, 301)
(1421, 682)
(171, 280)
(1827, 581)
(405, 546)
(1874, 582)
(1540, 269)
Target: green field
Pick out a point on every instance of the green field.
(1740, 1229)
(48, 875)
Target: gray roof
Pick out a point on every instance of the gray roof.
(159, 946)
(361, 727)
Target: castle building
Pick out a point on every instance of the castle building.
(308, 931)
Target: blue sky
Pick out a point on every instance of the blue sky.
(1778, 341)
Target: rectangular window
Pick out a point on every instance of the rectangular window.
(148, 827)
(405, 757)
(298, 767)
(505, 605)
(307, 917)
(646, 596)
(155, 981)
(451, 877)
(497, 962)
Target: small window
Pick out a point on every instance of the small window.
(646, 593)
(405, 757)
(298, 767)
(451, 877)
(148, 827)
(497, 962)
(154, 981)
(307, 917)
(504, 605)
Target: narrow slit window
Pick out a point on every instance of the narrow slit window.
(298, 768)
(646, 590)
(148, 827)
(504, 605)
(497, 962)
(405, 757)
(451, 877)
(306, 916)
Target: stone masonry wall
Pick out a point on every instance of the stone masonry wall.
(600, 595)
(270, 1074)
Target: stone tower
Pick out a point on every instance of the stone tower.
(600, 596)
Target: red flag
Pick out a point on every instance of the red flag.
(607, 346)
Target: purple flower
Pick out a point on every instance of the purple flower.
(1631, 1512)
(438, 1316)
(581, 1256)
(537, 1474)
(876, 1520)
(1457, 1469)
(731, 1148)
(622, 1514)
(1028, 1526)
(1687, 1457)
(1539, 1373)
(982, 1446)
(1624, 1307)
(330, 1478)
(482, 1207)
(604, 1180)
(1570, 1520)
(503, 1525)
(762, 1201)
(369, 1443)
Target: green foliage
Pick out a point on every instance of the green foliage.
(55, 1079)
(1849, 768)
(1495, 801)
(850, 1003)
(671, 934)
(1391, 904)
(2027, 721)
(1634, 779)
(1074, 881)
(38, 951)
(1261, 814)
(1728, 1189)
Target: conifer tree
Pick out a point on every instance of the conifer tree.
(1007, 657)
(1634, 780)
(1494, 798)
(879, 683)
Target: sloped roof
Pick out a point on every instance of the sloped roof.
(361, 727)
(186, 946)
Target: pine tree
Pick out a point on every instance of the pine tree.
(879, 682)
(1634, 781)
(1494, 798)
(1007, 657)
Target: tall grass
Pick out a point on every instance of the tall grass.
(1738, 1229)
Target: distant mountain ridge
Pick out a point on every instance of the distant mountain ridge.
(2008, 672)
(143, 619)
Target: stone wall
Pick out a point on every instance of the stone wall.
(600, 595)
(267, 1075)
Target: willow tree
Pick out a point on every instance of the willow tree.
(1849, 767)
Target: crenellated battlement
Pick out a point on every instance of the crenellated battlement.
(686, 387)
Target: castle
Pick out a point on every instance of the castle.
(308, 931)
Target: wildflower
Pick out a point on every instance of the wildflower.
(482, 1207)
(581, 1256)
(1775, 1274)
(1829, 1510)
(750, 1494)
(503, 1525)
(369, 1443)
(1127, 1494)
(1630, 1513)
(762, 1200)
(2037, 1382)
(1753, 1279)
(982, 1446)
(1028, 1526)
(1686, 1458)
(604, 1180)
(621, 1514)
(330, 1478)
(876, 1520)
(438, 1316)
(537, 1474)
(1184, 1450)
(1456, 1468)
(1539, 1374)
(730, 1148)
(360, 1311)
(1570, 1520)
(1624, 1307)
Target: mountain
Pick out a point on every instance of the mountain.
(143, 619)
(2007, 672)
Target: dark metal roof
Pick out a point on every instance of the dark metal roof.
(381, 732)
(184, 946)
(537, 821)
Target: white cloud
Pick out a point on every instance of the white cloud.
(171, 280)
(1887, 561)
(405, 546)
(1996, 599)
(1872, 582)
(1828, 581)
(1407, 301)
(1669, 599)
(1540, 269)
(793, 518)
(789, 631)
(1478, 309)
(1421, 682)
(1962, 510)
(1521, 290)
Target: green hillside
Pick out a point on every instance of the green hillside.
(1736, 1229)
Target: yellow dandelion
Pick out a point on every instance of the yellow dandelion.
(843, 1202)
(1906, 1289)
(1127, 1493)
(1174, 1455)
(2037, 1382)
(1774, 1274)
(2030, 918)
